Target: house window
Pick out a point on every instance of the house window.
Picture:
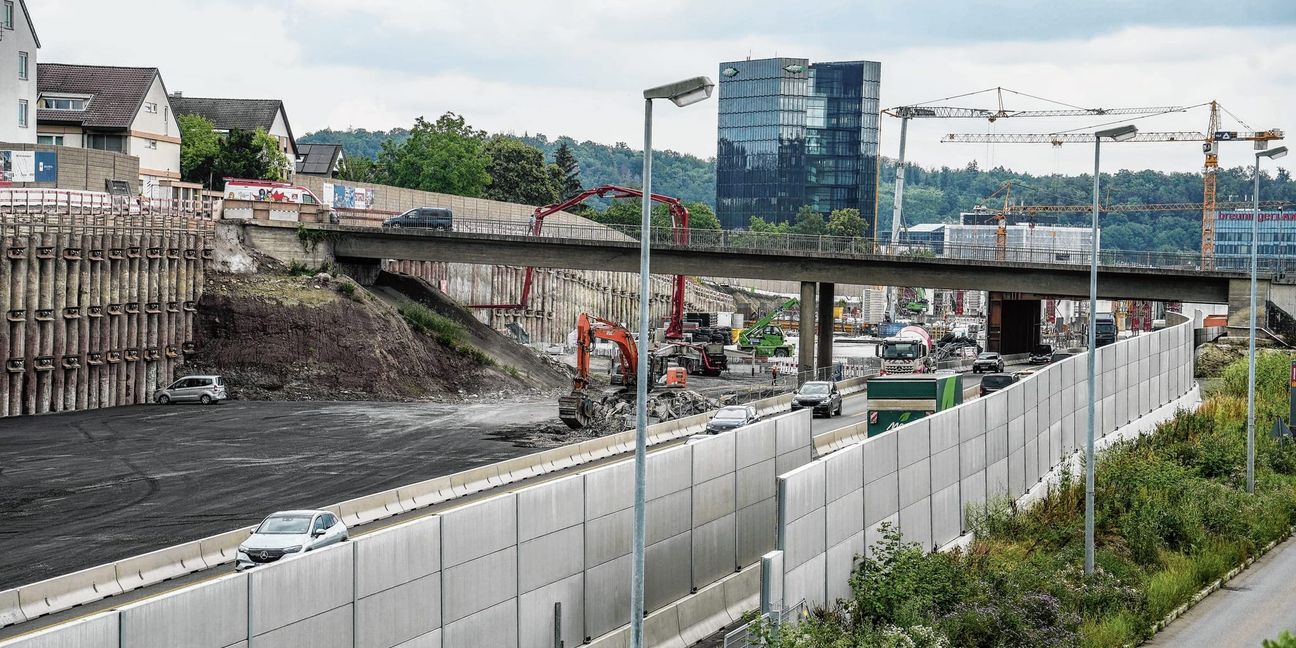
(54, 140)
(150, 107)
(63, 103)
(8, 14)
(22, 113)
(105, 142)
(150, 144)
(22, 66)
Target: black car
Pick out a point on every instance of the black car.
(995, 382)
(425, 217)
(731, 417)
(1043, 354)
(821, 395)
(989, 361)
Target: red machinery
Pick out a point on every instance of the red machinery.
(679, 222)
(575, 408)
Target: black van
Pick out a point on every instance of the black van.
(426, 217)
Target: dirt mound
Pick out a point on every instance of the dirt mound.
(1213, 358)
(285, 337)
(615, 413)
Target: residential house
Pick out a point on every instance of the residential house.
(319, 159)
(243, 114)
(121, 109)
(18, 73)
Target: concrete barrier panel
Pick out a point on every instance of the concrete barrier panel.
(477, 585)
(914, 441)
(606, 489)
(62, 592)
(944, 430)
(403, 613)
(972, 490)
(806, 582)
(668, 471)
(794, 459)
(209, 615)
(400, 554)
(793, 431)
(757, 530)
(331, 629)
(843, 472)
(996, 442)
(873, 533)
(844, 517)
(881, 498)
(667, 574)
(495, 626)
(972, 418)
(482, 528)
(551, 506)
(550, 558)
(1016, 401)
(754, 444)
(802, 491)
(997, 479)
(881, 456)
(946, 515)
(536, 613)
(278, 597)
(713, 457)
(803, 539)
(915, 482)
(98, 631)
(996, 408)
(1016, 473)
(756, 483)
(668, 516)
(607, 604)
(944, 469)
(608, 537)
(972, 455)
(700, 615)
(713, 499)
(222, 548)
(915, 522)
(840, 563)
(661, 628)
(363, 510)
(1032, 461)
(429, 640)
(714, 551)
(424, 493)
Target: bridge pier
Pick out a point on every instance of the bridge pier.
(806, 330)
(824, 343)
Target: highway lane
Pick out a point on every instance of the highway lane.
(1257, 604)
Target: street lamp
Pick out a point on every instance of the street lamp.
(1119, 134)
(681, 93)
(1272, 154)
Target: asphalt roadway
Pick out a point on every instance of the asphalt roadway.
(86, 488)
(1258, 604)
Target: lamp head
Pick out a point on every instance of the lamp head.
(683, 93)
(1120, 133)
(1273, 153)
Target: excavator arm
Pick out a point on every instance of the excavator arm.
(576, 409)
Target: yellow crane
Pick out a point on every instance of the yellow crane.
(1210, 146)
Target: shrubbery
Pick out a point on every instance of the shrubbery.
(1172, 515)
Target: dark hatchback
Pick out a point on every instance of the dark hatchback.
(1042, 354)
(995, 382)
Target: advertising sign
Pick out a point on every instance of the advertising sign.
(18, 166)
(340, 196)
(46, 166)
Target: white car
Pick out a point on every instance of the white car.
(287, 533)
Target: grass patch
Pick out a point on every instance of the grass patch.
(1172, 516)
(446, 331)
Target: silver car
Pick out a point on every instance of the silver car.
(287, 533)
(194, 389)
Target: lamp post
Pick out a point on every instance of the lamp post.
(681, 93)
(1119, 134)
(1272, 154)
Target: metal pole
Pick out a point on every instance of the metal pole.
(1093, 385)
(1251, 336)
(641, 397)
(897, 212)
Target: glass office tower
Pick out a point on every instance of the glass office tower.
(792, 133)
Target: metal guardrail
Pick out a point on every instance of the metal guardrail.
(666, 238)
(744, 636)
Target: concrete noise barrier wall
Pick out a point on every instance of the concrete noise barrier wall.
(922, 477)
(489, 573)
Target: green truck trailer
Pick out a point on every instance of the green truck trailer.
(896, 400)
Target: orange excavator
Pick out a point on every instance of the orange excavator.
(577, 408)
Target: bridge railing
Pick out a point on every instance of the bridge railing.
(859, 246)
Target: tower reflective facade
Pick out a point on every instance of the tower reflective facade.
(793, 134)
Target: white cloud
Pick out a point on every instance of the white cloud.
(576, 67)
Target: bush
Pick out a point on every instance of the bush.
(423, 320)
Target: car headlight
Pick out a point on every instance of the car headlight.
(289, 550)
(242, 549)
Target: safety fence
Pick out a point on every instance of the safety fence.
(96, 208)
(63, 592)
(516, 569)
(745, 637)
(924, 476)
(666, 238)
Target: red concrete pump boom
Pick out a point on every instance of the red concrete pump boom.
(679, 224)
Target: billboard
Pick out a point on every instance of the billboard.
(340, 196)
(28, 166)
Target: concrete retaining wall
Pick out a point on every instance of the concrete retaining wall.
(922, 477)
(489, 573)
(93, 317)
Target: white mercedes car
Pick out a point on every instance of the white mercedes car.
(288, 533)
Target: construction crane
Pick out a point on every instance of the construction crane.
(1210, 146)
(679, 224)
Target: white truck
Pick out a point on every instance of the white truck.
(907, 352)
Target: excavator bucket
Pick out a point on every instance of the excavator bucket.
(575, 409)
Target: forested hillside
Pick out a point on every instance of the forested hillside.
(931, 195)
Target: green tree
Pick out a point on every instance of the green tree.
(356, 169)
(242, 154)
(1285, 640)
(808, 222)
(846, 222)
(199, 145)
(518, 173)
(277, 163)
(445, 156)
(569, 181)
(702, 217)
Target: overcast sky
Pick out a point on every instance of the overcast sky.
(577, 67)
